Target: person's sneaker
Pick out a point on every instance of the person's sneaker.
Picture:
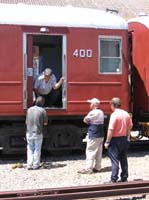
(123, 180)
(109, 182)
(85, 171)
(36, 168)
(96, 170)
(29, 168)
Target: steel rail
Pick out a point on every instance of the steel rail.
(67, 193)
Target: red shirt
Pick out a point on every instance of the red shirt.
(120, 121)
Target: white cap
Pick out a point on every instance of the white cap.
(94, 101)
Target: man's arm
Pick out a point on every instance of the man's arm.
(129, 127)
(86, 120)
(45, 123)
(128, 132)
(88, 117)
(36, 92)
(59, 83)
(109, 136)
(35, 87)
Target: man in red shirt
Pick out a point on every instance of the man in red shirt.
(117, 141)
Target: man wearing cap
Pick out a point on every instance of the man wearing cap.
(47, 87)
(95, 137)
(117, 141)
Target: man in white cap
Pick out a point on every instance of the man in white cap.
(95, 138)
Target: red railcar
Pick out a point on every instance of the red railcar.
(140, 47)
(139, 32)
(88, 47)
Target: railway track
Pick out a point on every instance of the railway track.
(83, 192)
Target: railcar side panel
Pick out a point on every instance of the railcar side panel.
(140, 61)
(84, 78)
(11, 74)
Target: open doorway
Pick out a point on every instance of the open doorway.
(48, 51)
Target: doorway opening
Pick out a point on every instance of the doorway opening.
(47, 51)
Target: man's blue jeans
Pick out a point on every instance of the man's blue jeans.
(118, 154)
(34, 151)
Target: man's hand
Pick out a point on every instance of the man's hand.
(106, 145)
(59, 83)
(61, 80)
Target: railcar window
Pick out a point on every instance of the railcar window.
(110, 55)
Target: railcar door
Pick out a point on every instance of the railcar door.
(41, 51)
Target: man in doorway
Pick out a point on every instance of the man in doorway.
(47, 86)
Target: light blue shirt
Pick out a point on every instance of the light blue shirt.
(44, 87)
(95, 116)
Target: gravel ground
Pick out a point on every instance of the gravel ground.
(62, 172)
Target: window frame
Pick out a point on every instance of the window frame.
(110, 38)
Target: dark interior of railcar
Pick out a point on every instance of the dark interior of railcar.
(47, 52)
